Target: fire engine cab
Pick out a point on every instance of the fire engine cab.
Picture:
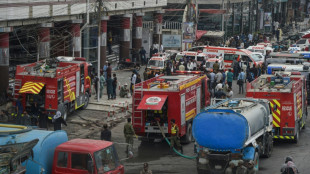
(287, 95)
(179, 96)
(61, 84)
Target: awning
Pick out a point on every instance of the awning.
(32, 87)
(152, 102)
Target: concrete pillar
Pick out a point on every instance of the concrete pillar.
(158, 20)
(125, 37)
(76, 38)
(44, 40)
(4, 58)
(103, 44)
(137, 31)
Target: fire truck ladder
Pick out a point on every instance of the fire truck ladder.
(137, 97)
(17, 87)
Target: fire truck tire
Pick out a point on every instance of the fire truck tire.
(188, 137)
(65, 114)
(86, 100)
(256, 161)
(296, 137)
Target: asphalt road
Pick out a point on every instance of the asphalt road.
(161, 161)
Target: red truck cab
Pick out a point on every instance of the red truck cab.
(86, 156)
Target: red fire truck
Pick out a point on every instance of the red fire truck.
(287, 95)
(179, 96)
(61, 84)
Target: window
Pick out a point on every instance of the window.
(115, 5)
(81, 161)
(144, 3)
(302, 41)
(62, 160)
(200, 58)
(133, 4)
(106, 159)
(229, 57)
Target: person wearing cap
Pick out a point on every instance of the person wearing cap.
(289, 167)
(175, 138)
(145, 169)
(240, 168)
(229, 170)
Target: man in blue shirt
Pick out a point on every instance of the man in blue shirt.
(241, 78)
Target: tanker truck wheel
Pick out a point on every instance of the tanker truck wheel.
(269, 147)
(256, 161)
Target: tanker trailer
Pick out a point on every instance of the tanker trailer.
(43, 151)
(232, 131)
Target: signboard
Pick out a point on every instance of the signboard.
(172, 41)
(267, 19)
(188, 32)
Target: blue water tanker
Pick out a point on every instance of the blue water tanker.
(43, 151)
(231, 131)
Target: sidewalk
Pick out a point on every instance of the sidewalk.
(117, 105)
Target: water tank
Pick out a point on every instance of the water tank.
(228, 128)
(43, 151)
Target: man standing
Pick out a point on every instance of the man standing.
(19, 109)
(216, 66)
(175, 139)
(102, 81)
(106, 133)
(109, 70)
(129, 132)
(57, 120)
(133, 81)
(114, 85)
(230, 77)
(240, 81)
(110, 87)
(142, 53)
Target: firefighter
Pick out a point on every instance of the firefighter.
(129, 132)
(57, 120)
(175, 138)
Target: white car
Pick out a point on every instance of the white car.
(303, 43)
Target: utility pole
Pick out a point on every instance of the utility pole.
(223, 15)
(241, 18)
(98, 47)
(233, 19)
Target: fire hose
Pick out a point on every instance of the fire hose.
(177, 152)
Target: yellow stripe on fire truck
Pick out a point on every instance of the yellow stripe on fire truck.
(276, 113)
(284, 137)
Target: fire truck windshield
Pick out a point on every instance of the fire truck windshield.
(157, 63)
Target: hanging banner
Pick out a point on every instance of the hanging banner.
(171, 41)
(188, 32)
(267, 19)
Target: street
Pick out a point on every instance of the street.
(86, 124)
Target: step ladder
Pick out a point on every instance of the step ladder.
(137, 97)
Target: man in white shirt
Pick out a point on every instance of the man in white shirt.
(133, 81)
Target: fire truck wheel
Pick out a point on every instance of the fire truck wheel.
(65, 114)
(188, 137)
(296, 137)
(86, 101)
(256, 161)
